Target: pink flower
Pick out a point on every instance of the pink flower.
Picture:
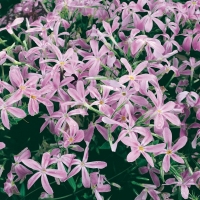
(138, 148)
(149, 189)
(18, 168)
(6, 107)
(2, 145)
(9, 186)
(148, 20)
(162, 111)
(94, 62)
(97, 184)
(170, 151)
(133, 76)
(10, 26)
(43, 171)
(81, 166)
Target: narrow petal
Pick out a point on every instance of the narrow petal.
(46, 185)
(166, 163)
(85, 178)
(155, 148)
(32, 164)
(167, 137)
(148, 158)
(19, 113)
(96, 164)
(45, 160)
(132, 156)
(180, 143)
(177, 158)
(172, 118)
(4, 118)
(33, 179)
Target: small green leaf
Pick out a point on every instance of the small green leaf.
(23, 190)
(72, 183)
(105, 145)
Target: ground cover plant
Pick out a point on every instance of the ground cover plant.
(99, 99)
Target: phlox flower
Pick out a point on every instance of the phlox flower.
(138, 148)
(162, 112)
(149, 189)
(18, 168)
(43, 171)
(9, 186)
(82, 165)
(170, 152)
(6, 107)
(133, 76)
(10, 26)
(184, 182)
(97, 184)
(94, 62)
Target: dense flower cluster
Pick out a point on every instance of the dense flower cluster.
(107, 77)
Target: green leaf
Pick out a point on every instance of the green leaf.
(105, 145)
(72, 183)
(23, 190)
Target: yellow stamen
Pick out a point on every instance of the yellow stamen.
(33, 97)
(71, 139)
(22, 87)
(141, 148)
(132, 78)
(159, 111)
(123, 118)
(169, 152)
(101, 102)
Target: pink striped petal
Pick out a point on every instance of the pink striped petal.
(85, 178)
(32, 164)
(33, 179)
(132, 156)
(96, 164)
(166, 163)
(46, 185)
(180, 143)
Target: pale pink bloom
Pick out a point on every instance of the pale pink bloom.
(3, 57)
(9, 186)
(128, 128)
(89, 132)
(94, 61)
(45, 195)
(97, 184)
(79, 95)
(172, 26)
(162, 112)
(64, 118)
(5, 85)
(152, 172)
(170, 152)
(152, 17)
(142, 41)
(35, 97)
(138, 148)
(62, 160)
(82, 165)
(10, 26)
(18, 168)
(43, 171)
(149, 189)
(192, 63)
(2, 145)
(191, 98)
(72, 137)
(62, 59)
(133, 76)
(6, 107)
(185, 182)
(110, 29)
